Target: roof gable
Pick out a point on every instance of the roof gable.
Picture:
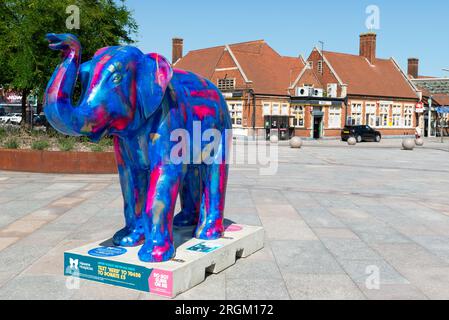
(382, 78)
(259, 64)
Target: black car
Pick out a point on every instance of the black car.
(361, 133)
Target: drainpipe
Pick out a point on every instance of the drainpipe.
(251, 92)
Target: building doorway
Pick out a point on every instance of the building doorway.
(317, 127)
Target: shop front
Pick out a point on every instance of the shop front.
(317, 118)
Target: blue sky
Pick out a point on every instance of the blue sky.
(292, 27)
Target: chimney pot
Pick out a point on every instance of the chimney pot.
(177, 49)
(413, 67)
(368, 46)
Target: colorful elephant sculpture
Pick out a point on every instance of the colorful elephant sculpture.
(141, 101)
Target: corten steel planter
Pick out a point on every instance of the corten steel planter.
(58, 162)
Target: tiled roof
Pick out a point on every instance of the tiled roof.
(269, 72)
(383, 78)
(202, 61)
(442, 99)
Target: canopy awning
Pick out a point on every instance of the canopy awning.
(442, 109)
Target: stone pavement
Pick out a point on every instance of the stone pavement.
(337, 219)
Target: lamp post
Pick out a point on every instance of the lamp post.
(429, 120)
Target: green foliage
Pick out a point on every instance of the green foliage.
(96, 148)
(12, 143)
(40, 145)
(84, 140)
(2, 133)
(25, 59)
(107, 142)
(66, 143)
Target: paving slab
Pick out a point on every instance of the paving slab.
(332, 215)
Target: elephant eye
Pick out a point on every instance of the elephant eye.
(117, 78)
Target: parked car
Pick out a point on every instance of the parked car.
(40, 120)
(15, 118)
(2, 112)
(361, 133)
(6, 118)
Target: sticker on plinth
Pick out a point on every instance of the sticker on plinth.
(161, 282)
(234, 228)
(205, 247)
(107, 252)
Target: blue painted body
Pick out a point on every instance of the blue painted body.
(141, 101)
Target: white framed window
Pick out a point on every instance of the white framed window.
(310, 64)
(275, 109)
(397, 116)
(236, 112)
(298, 116)
(370, 114)
(334, 117)
(226, 84)
(384, 115)
(284, 109)
(408, 116)
(356, 114)
(266, 108)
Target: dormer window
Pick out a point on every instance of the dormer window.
(226, 84)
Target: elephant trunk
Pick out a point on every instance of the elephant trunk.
(58, 108)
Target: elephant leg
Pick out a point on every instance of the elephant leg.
(163, 191)
(210, 226)
(190, 194)
(133, 184)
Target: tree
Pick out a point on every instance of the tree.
(26, 63)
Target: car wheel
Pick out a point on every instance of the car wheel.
(378, 138)
(359, 139)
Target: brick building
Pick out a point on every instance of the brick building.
(254, 79)
(267, 92)
(436, 90)
(376, 92)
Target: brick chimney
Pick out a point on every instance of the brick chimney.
(178, 46)
(413, 67)
(368, 46)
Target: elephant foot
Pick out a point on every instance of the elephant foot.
(183, 220)
(156, 254)
(212, 231)
(129, 237)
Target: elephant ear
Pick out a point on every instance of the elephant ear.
(153, 76)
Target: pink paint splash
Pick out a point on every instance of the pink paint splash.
(99, 70)
(159, 251)
(204, 111)
(154, 178)
(101, 119)
(206, 94)
(180, 71)
(118, 153)
(120, 124)
(101, 51)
